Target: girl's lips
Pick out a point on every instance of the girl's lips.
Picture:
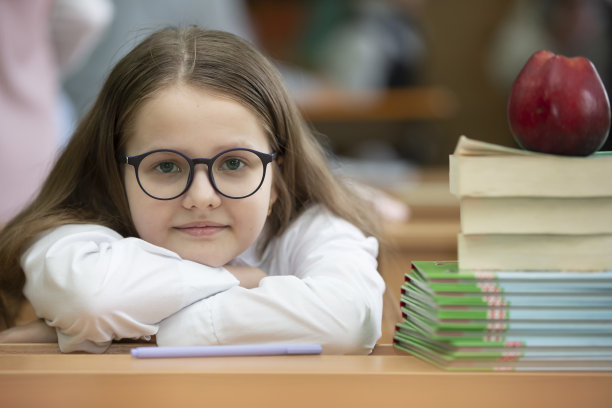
(201, 229)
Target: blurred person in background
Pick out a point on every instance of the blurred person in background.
(40, 41)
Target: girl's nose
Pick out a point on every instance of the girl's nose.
(201, 192)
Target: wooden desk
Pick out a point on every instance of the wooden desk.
(38, 376)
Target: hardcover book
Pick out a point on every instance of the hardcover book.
(480, 169)
(536, 215)
(589, 252)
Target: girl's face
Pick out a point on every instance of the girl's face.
(201, 225)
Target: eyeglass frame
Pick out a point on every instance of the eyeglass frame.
(266, 158)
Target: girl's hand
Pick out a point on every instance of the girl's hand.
(33, 332)
(248, 276)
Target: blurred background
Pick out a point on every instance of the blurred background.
(388, 85)
(395, 81)
(387, 77)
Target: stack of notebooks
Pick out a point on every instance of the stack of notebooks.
(532, 288)
(521, 321)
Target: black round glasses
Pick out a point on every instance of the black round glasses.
(166, 174)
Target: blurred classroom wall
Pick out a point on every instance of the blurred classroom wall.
(457, 46)
(460, 34)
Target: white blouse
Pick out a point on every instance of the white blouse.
(95, 286)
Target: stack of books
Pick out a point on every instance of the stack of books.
(521, 321)
(522, 210)
(532, 287)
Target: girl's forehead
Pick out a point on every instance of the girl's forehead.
(194, 120)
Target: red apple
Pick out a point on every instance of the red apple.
(559, 105)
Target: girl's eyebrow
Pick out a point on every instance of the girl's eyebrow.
(234, 145)
(212, 152)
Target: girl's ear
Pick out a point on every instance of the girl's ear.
(279, 161)
(273, 195)
(274, 188)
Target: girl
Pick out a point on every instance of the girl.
(192, 203)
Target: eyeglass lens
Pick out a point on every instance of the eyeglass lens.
(236, 173)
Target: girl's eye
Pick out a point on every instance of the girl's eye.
(232, 164)
(167, 167)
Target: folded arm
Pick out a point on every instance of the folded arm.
(35, 331)
(94, 286)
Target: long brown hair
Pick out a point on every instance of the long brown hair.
(85, 185)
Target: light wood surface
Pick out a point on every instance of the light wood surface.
(39, 376)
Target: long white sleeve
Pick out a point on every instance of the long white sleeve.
(324, 288)
(95, 286)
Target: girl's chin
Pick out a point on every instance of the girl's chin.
(210, 253)
(212, 261)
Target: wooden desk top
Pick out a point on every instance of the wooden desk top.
(38, 375)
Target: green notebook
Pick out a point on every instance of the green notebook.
(426, 295)
(506, 313)
(504, 362)
(504, 340)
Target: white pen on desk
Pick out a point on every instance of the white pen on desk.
(228, 350)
